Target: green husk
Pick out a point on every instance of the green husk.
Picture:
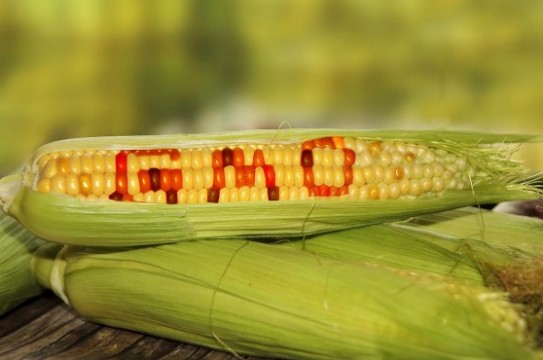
(388, 246)
(16, 248)
(69, 220)
(516, 235)
(475, 246)
(272, 300)
(457, 243)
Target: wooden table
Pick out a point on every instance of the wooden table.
(45, 328)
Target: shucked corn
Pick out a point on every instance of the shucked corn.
(126, 190)
(338, 166)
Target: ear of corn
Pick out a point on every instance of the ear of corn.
(388, 246)
(273, 300)
(457, 243)
(481, 247)
(278, 183)
(520, 236)
(16, 247)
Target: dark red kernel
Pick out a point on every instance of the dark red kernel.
(213, 195)
(154, 176)
(171, 197)
(307, 158)
(227, 156)
(116, 196)
(273, 193)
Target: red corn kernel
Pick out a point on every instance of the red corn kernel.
(216, 159)
(334, 191)
(171, 197)
(269, 173)
(227, 156)
(238, 158)
(338, 142)
(213, 195)
(116, 196)
(308, 145)
(258, 158)
(177, 179)
(127, 197)
(309, 180)
(323, 190)
(313, 191)
(218, 178)
(325, 142)
(249, 174)
(121, 162)
(344, 190)
(121, 183)
(348, 176)
(165, 180)
(174, 154)
(349, 157)
(306, 158)
(273, 193)
(154, 175)
(240, 177)
(145, 181)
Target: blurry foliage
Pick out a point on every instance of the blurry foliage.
(103, 67)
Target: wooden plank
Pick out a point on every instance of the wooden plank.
(44, 328)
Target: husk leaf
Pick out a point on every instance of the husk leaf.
(16, 248)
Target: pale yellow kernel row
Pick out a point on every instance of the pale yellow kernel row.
(370, 153)
(96, 183)
(244, 193)
(329, 176)
(401, 189)
(328, 157)
(87, 162)
(279, 155)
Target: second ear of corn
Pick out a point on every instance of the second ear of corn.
(273, 300)
(124, 191)
(16, 248)
(333, 268)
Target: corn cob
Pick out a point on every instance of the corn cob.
(272, 300)
(122, 191)
(16, 247)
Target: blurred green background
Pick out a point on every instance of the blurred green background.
(106, 67)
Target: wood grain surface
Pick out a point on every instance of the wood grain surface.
(45, 328)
